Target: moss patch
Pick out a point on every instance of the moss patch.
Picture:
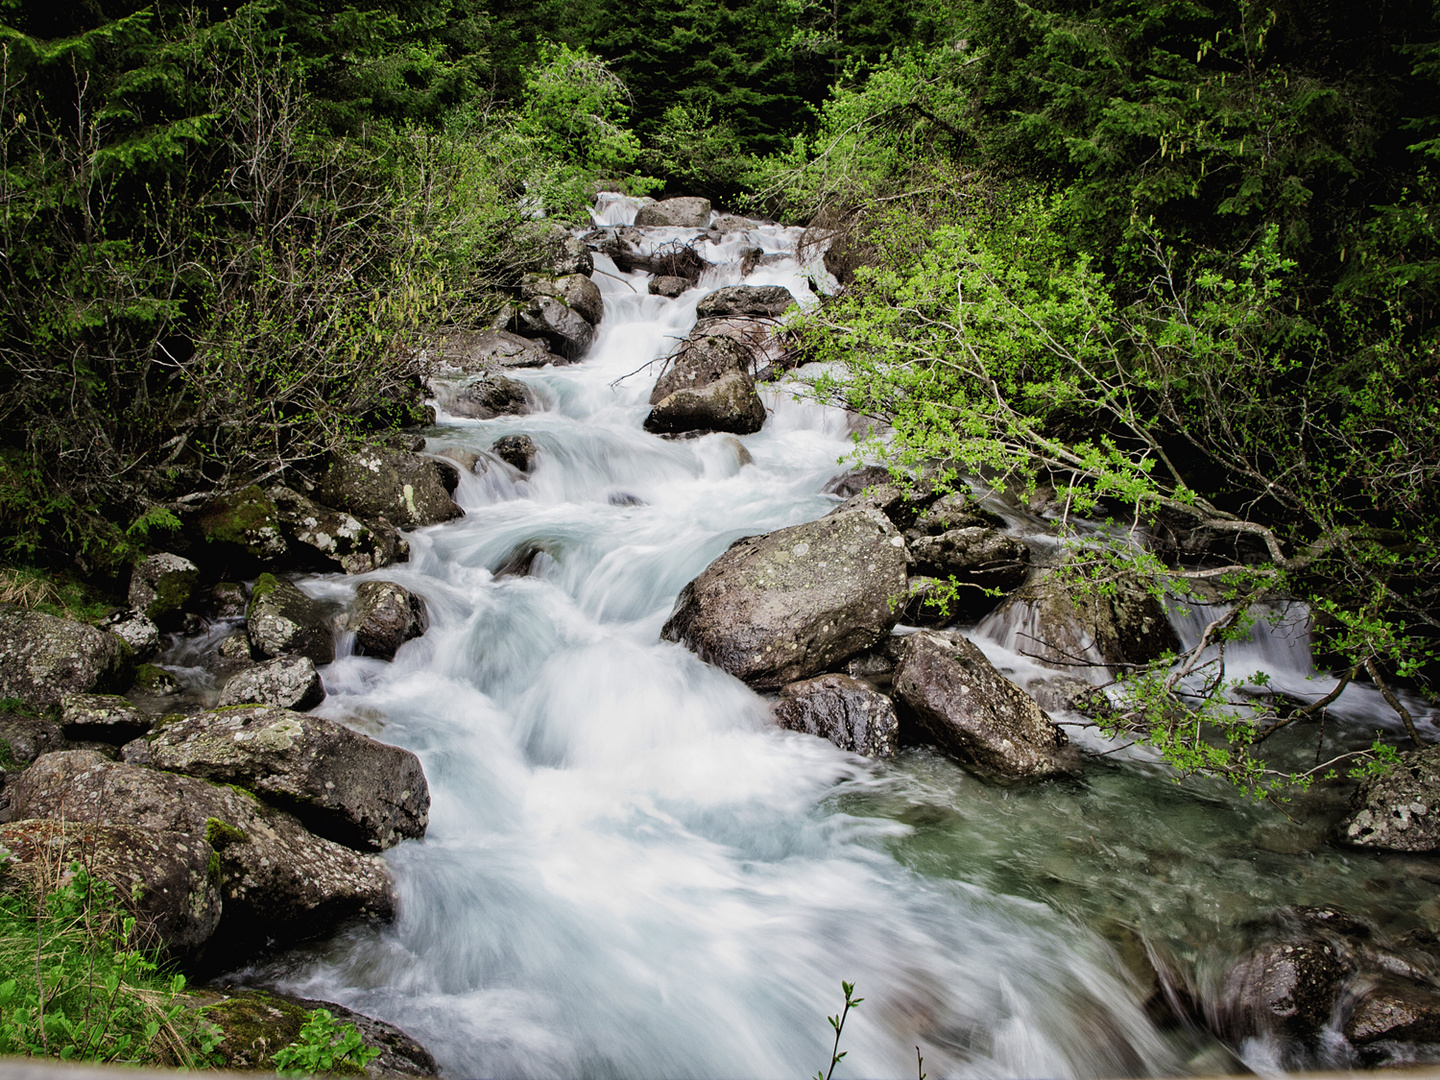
(173, 592)
(155, 680)
(220, 834)
(235, 518)
(256, 1024)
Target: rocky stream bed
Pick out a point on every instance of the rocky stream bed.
(600, 729)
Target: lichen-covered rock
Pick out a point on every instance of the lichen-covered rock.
(728, 404)
(228, 600)
(1289, 987)
(486, 398)
(278, 882)
(162, 584)
(1399, 811)
(287, 682)
(1126, 625)
(164, 880)
(554, 252)
(565, 330)
(283, 621)
(490, 350)
(1395, 1010)
(977, 556)
(407, 489)
(685, 212)
(244, 522)
(156, 681)
(842, 709)
(517, 450)
(25, 738)
(782, 607)
(764, 300)
(576, 291)
(343, 785)
(43, 658)
(103, 717)
(699, 363)
(668, 285)
(137, 631)
(235, 649)
(955, 510)
(386, 615)
(963, 705)
(334, 539)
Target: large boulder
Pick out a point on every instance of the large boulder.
(1123, 625)
(43, 658)
(974, 714)
(328, 539)
(707, 387)
(782, 607)
(386, 615)
(287, 682)
(1398, 810)
(575, 291)
(565, 330)
(768, 301)
(283, 621)
(1287, 987)
(343, 785)
(103, 718)
(165, 881)
(554, 252)
(405, 488)
(685, 212)
(241, 527)
(489, 350)
(974, 555)
(161, 585)
(488, 397)
(279, 883)
(842, 709)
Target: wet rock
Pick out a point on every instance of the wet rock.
(956, 510)
(278, 882)
(283, 621)
(842, 709)
(407, 489)
(1290, 987)
(782, 607)
(228, 600)
(517, 450)
(241, 528)
(490, 350)
(699, 363)
(104, 717)
(343, 785)
(161, 585)
(727, 223)
(288, 682)
(1126, 626)
(156, 681)
(137, 631)
(163, 880)
(976, 715)
(769, 301)
(873, 486)
(566, 331)
(554, 252)
(1395, 1010)
(686, 212)
(977, 556)
(489, 397)
(466, 459)
(25, 738)
(728, 404)
(43, 658)
(668, 285)
(1401, 810)
(386, 615)
(1063, 692)
(256, 1023)
(235, 649)
(336, 540)
(575, 291)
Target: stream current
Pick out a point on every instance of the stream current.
(631, 872)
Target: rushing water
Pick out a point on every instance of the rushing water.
(630, 872)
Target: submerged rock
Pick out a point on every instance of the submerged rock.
(1290, 987)
(782, 607)
(287, 682)
(43, 658)
(283, 621)
(844, 710)
(976, 715)
(386, 616)
(1399, 811)
(1395, 1010)
(163, 880)
(405, 488)
(279, 883)
(685, 212)
(763, 300)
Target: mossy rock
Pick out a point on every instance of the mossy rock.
(156, 680)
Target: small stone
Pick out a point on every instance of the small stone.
(486, 398)
(228, 600)
(842, 709)
(517, 450)
(235, 649)
(151, 679)
(386, 615)
(137, 631)
(668, 285)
